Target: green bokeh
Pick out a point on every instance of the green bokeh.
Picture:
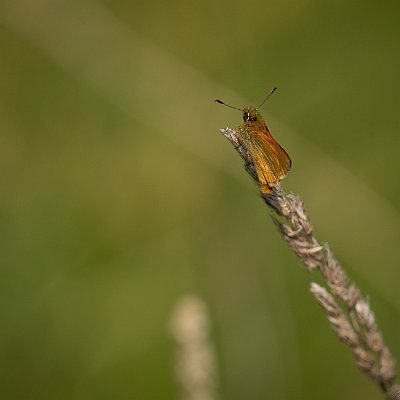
(119, 196)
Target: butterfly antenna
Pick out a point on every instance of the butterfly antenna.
(272, 91)
(221, 102)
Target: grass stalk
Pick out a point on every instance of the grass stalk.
(348, 312)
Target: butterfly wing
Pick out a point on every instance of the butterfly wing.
(270, 160)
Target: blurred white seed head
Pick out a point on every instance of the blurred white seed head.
(195, 361)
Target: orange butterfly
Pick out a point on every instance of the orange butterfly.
(270, 160)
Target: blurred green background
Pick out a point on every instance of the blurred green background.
(119, 195)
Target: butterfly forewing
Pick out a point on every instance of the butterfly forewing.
(270, 160)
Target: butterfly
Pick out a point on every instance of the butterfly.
(269, 159)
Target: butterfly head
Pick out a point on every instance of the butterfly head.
(251, 114)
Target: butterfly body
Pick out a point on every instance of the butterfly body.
(269, 159)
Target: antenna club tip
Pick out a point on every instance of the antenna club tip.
(221, 102)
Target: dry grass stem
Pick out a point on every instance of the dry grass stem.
(349, 313)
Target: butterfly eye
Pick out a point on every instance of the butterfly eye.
(246, 116)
